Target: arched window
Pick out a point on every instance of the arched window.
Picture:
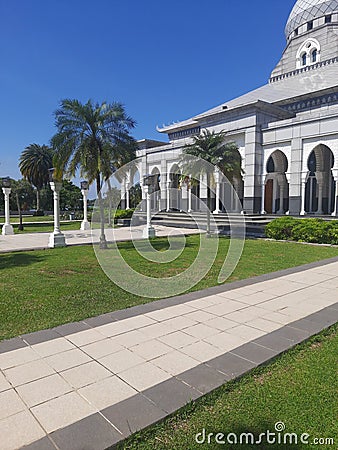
(314, 55)
(304, 59)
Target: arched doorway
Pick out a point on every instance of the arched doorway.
(175, 193)
(156, 192)
(320, 185)
(276, 198)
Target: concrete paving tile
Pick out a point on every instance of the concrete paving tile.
(232, 294)
(200, 303)
(177, 339)
(140, 321)
(157, 330)
(202, 351)
(67, 360)
(42, 390)
(324, 317)
(274, 342)
(225, 341)
(144, 376)
(246, 332)
(19, 430)
(85, 337)
(278, 318)
(169, 313)
(12, 344)
(113, 329)
(255, 353)
(28, 372)
(226, 307)
(221, 323)
(257, 298)
(151, 349)
(62, 411)
(200, 316)
(130, 339)
(126, 414)
(85, 374)
(203, 378)
(120, 361)
(52, 347)
(107, 392)
(244, 315)
(179, 323)
(231, 365)
(99, 349)
(4, 384)
(92, 432)
(307, 325)
(41, 444)
(17, 357)
(292, 334)
(263, 324)
(171, 395)
(10, 404)
(175, 362)
(40, 336)
(71, 328)
(201, 331)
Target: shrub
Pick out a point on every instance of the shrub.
(304, 230)
(281, 228)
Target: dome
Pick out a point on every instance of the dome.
(307, 10)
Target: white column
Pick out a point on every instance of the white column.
(85, 225)
(7, 228)
(56, 239)
(335, 211)
(148, 231)
(303, 192)
(281, 182)
(189, 198)
(263, 194)
(218, 190)
(127, 196)
(168, 196)
(320, 176)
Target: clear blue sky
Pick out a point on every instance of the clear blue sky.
(166, 61)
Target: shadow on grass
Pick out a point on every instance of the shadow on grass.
(159, 244)
(9, 260)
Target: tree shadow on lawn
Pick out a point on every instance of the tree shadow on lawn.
(155, 244)
(9, 260)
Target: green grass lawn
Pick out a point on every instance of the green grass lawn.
(299, 389)
(42, 289)
(46, 227)
(29, 219)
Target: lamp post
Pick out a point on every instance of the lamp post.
(148, 183)
(56, 239)
(85, 225)
(7, 228)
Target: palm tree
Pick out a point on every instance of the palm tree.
(35, 162)
(210, 147)
(88, 138)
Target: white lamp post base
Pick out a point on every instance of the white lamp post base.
(56, 240)
(149, 232)
(85, 225)
(7, 230)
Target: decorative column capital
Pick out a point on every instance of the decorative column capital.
(55, 186)
(6, 191)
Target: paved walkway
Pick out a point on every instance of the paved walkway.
(90, 384)
(39, 241)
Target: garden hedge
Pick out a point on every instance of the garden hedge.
(316, 231)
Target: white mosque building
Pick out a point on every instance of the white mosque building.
(286, 131)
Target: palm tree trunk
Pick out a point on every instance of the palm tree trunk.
(38, 199)
(110, 203)
(103, 241)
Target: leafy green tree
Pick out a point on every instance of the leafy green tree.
(89, 138)
(35, 162)
(210, 146)
(70, 196)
